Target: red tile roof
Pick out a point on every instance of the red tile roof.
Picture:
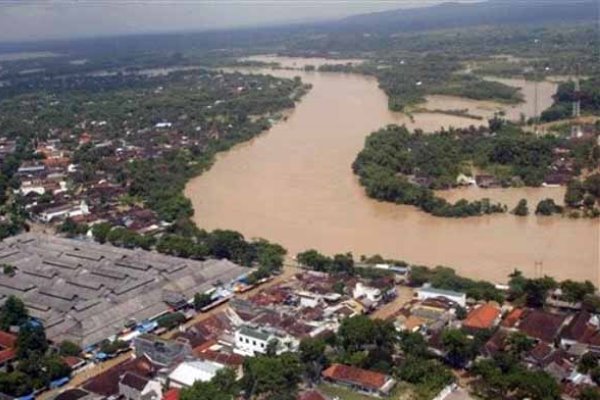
(8, 343)
(171, 394)
(357, 376)
(72, 361)
(7, 340)
(482, 317)
(231, 360)
(7, 355)
(513, 317)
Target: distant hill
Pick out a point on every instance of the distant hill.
(443, 16)
(456, 15)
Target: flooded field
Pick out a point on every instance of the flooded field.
(294, 185)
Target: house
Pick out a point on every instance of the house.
(172, 394)
(8, 343)
(251, 340)
(64, 211)
(366, 381)
(136, 387)
(513, 318)
(486, 181)
(583, 329)
(539, 355)
(542, 325)
(106, 384)
(485, 316)
(309, 300)
(495, 343)
(188, 372)
(428, 292)
(464, 180)
(76, 394)
(163, 353)
(370, 293)
(231, 361)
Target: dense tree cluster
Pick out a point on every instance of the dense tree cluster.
(584, 194)
(36, 365)
(565, 95)
(503, 377)
(393, 161)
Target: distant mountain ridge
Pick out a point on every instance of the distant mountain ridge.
(456, 15)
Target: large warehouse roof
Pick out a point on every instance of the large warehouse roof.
(86, 292)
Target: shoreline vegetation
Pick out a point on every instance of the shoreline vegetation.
(405, 168)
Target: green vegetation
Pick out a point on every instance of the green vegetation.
(521, 209)
(222, 387)
(565, 95)
(404, 168)
(171, 320)
(208, 111)
(547, 207)
(503, 375)
(13, 313)
(113, 347)
(201, 300)
(272, 377)
(584, 195)
(68, 348)
(37, 365)
(392, 155)
(446, 278)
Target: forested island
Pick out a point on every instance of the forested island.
(403, 167)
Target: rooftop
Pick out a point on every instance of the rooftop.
(189, 372)
(85, 292)
(542, 325)
(357, 376)
(482, 317)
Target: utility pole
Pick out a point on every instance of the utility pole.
(576, 127)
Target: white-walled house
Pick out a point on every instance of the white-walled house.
(428, 292)
(250, 340)
(66, 211)
(363, 291)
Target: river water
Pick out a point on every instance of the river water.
(294, 185)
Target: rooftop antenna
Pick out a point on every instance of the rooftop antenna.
(576, 128)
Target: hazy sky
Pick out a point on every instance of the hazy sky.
(49, 19)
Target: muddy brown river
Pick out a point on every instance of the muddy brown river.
(294, 185)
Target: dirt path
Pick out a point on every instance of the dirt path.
(405, 294)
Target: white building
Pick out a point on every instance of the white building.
(189, 372)
(370, 293)
(309, 299)
(66, 211)
(251, 340)
(427, 292)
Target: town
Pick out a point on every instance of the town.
(300, 200)
(322, 327)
